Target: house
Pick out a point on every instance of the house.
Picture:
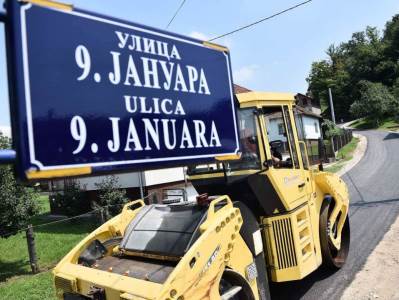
(308, 120)
(308, 117)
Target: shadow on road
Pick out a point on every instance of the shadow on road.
(297, 289)
(391, 136)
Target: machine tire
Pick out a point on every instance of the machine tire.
(332, 258)
(231, 279)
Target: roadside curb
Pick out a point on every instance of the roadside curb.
(357, 155)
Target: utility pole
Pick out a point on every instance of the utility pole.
(140, 175)
(332, 118)
(331, 105)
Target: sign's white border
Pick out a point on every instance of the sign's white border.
(39, 164)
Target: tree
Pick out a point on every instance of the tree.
(330, 129)
(111, 197)
(71, 200)
(17, 203)
(395, 105)
(330, 73)
(375, 102)
(368, 56)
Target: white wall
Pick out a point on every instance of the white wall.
(163, 176)
(124, 180)
(272, 129)
(310, 128)
(132, 179)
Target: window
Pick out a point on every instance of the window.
(248, 140)
(250, 158)
(280, 136)
(316, 127)
(281, 130)
(291, 138)
(304, 157)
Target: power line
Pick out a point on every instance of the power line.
(261, 20)
(177, 11)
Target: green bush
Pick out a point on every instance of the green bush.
(17, 202)
(375, 102)
(330, 129)
(71, 201)
(111, 197)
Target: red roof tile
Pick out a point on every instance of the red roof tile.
(239, 89)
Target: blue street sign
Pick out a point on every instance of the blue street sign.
(90, 93)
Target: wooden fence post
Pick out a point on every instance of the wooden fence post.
(102, 216)
(30, 238)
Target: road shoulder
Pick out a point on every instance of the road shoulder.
(357, 154)
(380, 275)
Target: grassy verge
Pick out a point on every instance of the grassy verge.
(344, 154)
(32, 287)
(385, 124)
(52, 243)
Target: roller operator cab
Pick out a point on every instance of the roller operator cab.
(268, 217)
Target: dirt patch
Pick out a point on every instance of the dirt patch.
(379, 277)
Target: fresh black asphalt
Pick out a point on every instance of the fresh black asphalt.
(374, 196)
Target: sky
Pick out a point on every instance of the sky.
(275, 55)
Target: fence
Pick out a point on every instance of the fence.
(324, 150)
(40, 246)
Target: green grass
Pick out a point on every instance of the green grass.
(32, 287)
(385, 124)
(52, 243)
(44, 210)
(344, 154)
(44, 204)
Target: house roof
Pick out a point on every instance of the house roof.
(303, 111)
(238, 89)
(301, 97)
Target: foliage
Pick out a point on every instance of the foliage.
(53, 242)
(36, 287)
(344, 154)
(368, 56)
(375, 98)
(70, 200)
(388, 123)
(330, 129)
(17, 203)
(111, 197)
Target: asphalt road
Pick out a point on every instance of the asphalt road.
(374, 189)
